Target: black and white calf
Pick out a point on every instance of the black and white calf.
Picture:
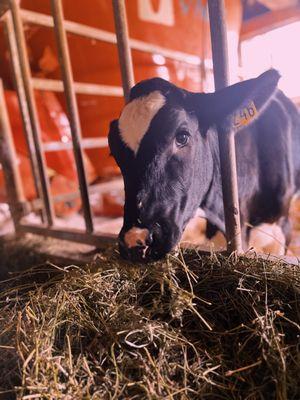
(165, 143)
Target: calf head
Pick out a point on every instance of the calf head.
(163, 143)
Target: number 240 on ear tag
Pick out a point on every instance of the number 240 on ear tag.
(245, 115)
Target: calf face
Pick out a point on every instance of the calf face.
(164, 143)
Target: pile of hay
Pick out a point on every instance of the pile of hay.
(189, 327)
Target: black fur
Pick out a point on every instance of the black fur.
(171, 186)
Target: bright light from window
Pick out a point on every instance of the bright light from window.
(278, 49)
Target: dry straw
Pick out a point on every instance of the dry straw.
(189, 327)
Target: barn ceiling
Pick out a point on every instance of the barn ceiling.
(278, 4)
(254, 8)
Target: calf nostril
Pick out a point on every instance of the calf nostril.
(139, 253)
(140, 243)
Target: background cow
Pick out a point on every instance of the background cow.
(165, 143)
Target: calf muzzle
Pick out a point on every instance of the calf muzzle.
(140, 244)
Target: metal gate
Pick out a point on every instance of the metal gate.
(13, 17)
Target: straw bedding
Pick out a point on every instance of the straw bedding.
(189, 327)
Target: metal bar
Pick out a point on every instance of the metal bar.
(67, 75)
(79, 87)
(188, 58)
(102, 187)
(68, 234)
(19, 86)
(109, 37)
(35, 126)
(226, 138)
(115, 184)
(87, 143)
(124, 51)
(4, 6)
(8, 159)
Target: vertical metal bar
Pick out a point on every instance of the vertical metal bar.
(4, 6)
(19, 86)
(8, 159)
(67, 76)
(124, 51)
(226, 138)
(35, 126)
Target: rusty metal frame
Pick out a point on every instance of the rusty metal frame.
(226, 137)
(67, 76)
(13, 182)
(79, 87)
(74, 235)
(124, 51)
(18, 81)
(86, 143)
(109, 37)
(26, 84)
(35, 126)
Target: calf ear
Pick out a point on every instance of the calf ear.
(238, 105)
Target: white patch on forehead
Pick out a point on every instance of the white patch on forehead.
(137, 116)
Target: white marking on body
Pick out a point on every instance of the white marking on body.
(195, 234)
(267, 238)
(200, 213)
(136, 237)
(136, 117)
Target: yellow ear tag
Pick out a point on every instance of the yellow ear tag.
(245, 115)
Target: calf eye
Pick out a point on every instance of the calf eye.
(182, 138)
